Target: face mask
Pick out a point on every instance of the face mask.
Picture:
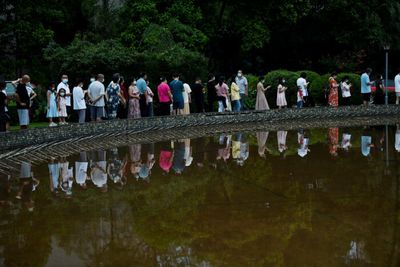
(65, 81)
(92, 80)
(283, 81)
(239, 75)
(62, 94)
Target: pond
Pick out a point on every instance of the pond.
(316, 197)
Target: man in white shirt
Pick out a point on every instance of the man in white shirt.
(64, 85)
(302, 82)
(303, 141)
(96, 94)
(397, 87)
(81, 168)
(79, 101)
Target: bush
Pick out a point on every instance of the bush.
(272, 79)
(318, 87)
(250, 101)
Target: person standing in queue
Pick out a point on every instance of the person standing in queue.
(366, 87)
(133, 104)
(52, 110)
(141, 85)
(23, 102)
(379, 97)
(235, 95)
(78, 95)
(3, 107)
(346, 91)
(150, 96)
(64, 85)
(303, 84)
(241, 81)
(198, 96)
(333, 91)
(177, 93)
(211, 93)
(397, 86)
(164, 96)
(96, 94)
(281, 94)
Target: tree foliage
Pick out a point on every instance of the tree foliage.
(194, 37)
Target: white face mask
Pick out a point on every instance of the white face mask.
(65, 81)
(62, 94)
(92, 80)
(240, 75)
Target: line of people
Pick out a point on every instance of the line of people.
(135, 99)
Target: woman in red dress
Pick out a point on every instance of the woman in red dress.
(333, 92)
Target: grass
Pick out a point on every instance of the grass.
(33, 125)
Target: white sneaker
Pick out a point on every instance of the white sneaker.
(52, 124)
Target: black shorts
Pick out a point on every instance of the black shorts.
(366, 96)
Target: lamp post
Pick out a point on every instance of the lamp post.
(386, 47)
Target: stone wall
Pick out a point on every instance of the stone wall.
(36, 137)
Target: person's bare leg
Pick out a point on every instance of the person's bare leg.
(397, 100)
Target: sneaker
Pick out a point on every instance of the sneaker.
(52, 124)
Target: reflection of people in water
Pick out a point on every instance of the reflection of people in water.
(28, 185)
(281, 136)
(346, 141)
(397, 139)
(145, 169)
(356, 252)
(115, 169)
(67, 178)
(188, 153)
(366, 143)
(303, 141)
(98, 171)
(135, 154)
(54, 172)
(240, 149)
(224, 149)
(333, 141)
(81, 168)
(166, 158)
(262, 138)
(178, 164)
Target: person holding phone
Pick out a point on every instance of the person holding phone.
(366, 86)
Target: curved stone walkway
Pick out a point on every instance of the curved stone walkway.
(124, 132)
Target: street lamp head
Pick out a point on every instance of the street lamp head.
(386, 47)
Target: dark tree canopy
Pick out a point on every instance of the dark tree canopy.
(47, 37)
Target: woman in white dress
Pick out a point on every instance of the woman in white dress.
(280, 95)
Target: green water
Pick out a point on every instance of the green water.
(324, 197)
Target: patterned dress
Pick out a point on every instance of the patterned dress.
(333, 93)
(113, 91)
(134, 105)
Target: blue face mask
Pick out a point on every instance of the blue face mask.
(65, 81)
